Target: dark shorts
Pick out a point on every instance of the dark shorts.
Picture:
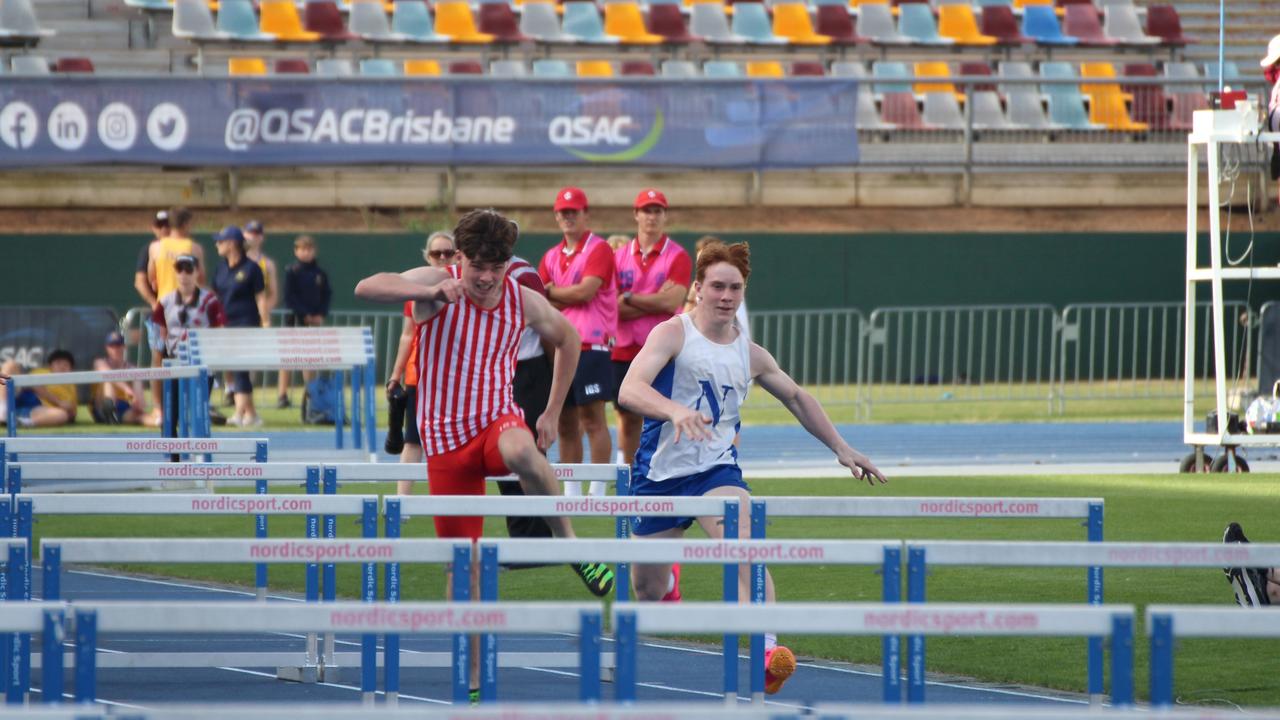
(411, 436)
(532, 388)
(620, 368)
(593, 381)
(294, 320)
(240, 382)
(695, 485)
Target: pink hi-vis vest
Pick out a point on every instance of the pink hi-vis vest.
(597, 319)
(635, 277)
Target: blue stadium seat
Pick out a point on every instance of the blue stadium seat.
(412, 19)
(916, 21)
(379, 67)
(1066, 103)
(751, 21)
(722, 69)
(552, 68)
(890, 70)
(1040, 23)
(238, 19)
(1230, 75)
(582, 21)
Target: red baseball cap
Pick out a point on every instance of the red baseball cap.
(571, 198)
(650, 196)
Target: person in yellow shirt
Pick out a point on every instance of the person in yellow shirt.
(45, 405)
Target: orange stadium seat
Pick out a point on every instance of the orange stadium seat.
(280, 18)
(240, 66)
(958, 23)
(422, 68)
(623, 20)
(454, 19)
(595, 68)
(765, 69)
(791, 21)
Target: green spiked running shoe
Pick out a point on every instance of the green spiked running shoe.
(598, 577)
(474, 696)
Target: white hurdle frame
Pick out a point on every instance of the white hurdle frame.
(1167, 623)
(877, 619)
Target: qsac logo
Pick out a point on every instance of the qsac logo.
(575, 132)
(19, 126)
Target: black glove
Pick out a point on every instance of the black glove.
(397, 400)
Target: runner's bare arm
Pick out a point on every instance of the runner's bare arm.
(765, 371)
(429, 289)
(637, 393)
(553, 328)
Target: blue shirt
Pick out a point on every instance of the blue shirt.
(237, 289)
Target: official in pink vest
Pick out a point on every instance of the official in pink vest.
(578, 274)
(653, 274)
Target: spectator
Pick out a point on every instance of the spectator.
(306, 294)
(242, 292)
(117, 403)
(578, 274)
(161, 255)
(691, 300)
(653, 274)
(44, 405)
(255, 238)
(147, 291)
(186, 307)
(402, 387)
(1271, 70)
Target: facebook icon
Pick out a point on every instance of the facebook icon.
(18, 126)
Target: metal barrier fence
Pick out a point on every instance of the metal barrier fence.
(973, 354)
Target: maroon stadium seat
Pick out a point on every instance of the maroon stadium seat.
(973, 69)
(638, 67)
(466, 67)
(1083, 24)
(807, 68)
(835, 22)
(1150, 105)
(324, 17)
(1163, 22)
(900, 109)
(292, 66)
(499, 20)
(73, 65)
(665, 19)
(998, 22)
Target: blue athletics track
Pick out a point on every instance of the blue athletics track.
(671, 671)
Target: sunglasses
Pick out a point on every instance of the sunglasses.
(441, 254)
(185, 268)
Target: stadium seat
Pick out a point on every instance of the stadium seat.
(791, 21)
(722, 69)
(18, 23)
(378, 67)
(764, 69)
(679, 69)
(324, 17)
(583, 22)
(957, 22)
(988, 114)
(1150, 105)
(1024, 4)
(995, 3)
(875, 22)
(638, 67)
(1122, 23)
(334, 67)
(751, 20)
(1040, 23)
(623, 20)
(1026, 106)
(454, 21)
(412, 19)
(508, 69)
(280, 18)
(551, 67)
(1066, 104)
(708, 21)
(540, 21)
(192, 20)
(667, 20)
(422, 68)
(243, 66)
(73, 65)
(998, 22)
(292, 66)
(238, 19)
(976, 69)
(942, 111)
(807, 68)
(465, 67)
(595, 68)
(1107, 101)
(866, 117)
(1081, 22)
(1230, 74)
(934, 69)
(500, 21)
(883, 71)
(1163, 23)
(1185, 99)
(368, 19)
(901, 110)
(835, 22)
(916, 22)
(30, 65)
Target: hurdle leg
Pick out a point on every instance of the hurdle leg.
(369, 642)
(589, 658)
(757, 596)
(1161, 661)
(370, 413)
(86, 656)
(462, 641)
(1121, 661)
(624, 684)
(357, 385)
(338, 419)
(329, 578)
(310, 670)
(260, 532)
(731, 596)
(391, 580)
(915, 643)
(51, 665)
(1095, 598)
(891, 645)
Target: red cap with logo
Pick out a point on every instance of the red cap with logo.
(650, 196)
(571, 198)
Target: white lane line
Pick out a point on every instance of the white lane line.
(340, 686)
(185, 586)
(660, 686)
(100, 701)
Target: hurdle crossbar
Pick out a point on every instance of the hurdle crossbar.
(395, 472)
(876, 619)
(1084, 554)
(149, 474)
(256, 447)
(368, 619)
(199, 504)
(1167, 623)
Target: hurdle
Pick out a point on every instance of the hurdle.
(877, 619)
(24, 619)
(189, 379)
(314, 665)
(1090, 510)
(14, 586)
(920, 554)
(885, 554)
(11, 448)
(337, 349)
(1167, 623)
(368, 619)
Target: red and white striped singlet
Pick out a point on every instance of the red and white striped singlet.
(466, 364)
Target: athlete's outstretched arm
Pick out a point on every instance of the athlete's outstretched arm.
(429, 289)
(553, 328)
(809, 412)
(637, 393)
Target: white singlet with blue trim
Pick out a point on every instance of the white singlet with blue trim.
(712, 379)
